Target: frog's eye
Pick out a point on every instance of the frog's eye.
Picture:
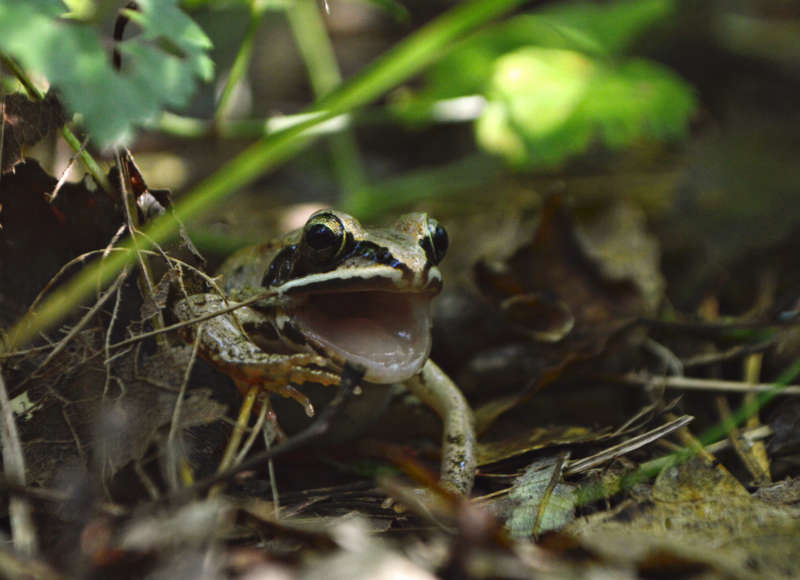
(435, 242)
(323, 237)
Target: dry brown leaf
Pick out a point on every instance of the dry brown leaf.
(26, 123)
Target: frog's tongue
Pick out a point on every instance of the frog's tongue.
(386, 332)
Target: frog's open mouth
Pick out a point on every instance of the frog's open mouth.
(386, 332)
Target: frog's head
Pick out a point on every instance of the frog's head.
(360, 295)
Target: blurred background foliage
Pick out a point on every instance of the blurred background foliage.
(684, 107)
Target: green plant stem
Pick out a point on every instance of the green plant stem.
(308, 28)
(242, 61)
(397, 65)
(35, 92)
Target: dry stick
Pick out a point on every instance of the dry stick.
(107, 343)
(751, 436)
(174, 458)
(270, 432)
(738, 444)
(586, 463)
(22, 528)
(733, 352)
(239, 428)
(131, 213)
(692, 384)
(752, 370)
(64, 174)
(73, 332)
(50, 495)
(139, 337)
(204, 317)
(77, 259)
(351, 377)
(251, 438)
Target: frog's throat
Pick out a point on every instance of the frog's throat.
(386, 332)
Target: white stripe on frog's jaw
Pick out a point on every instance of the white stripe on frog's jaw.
(364, 279)
(368, 278)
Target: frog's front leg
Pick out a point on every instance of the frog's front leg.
(225, 345)
(459, 458)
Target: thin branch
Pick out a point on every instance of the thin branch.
(51, 198)
(693, 384)
(351, 378)
(581, 465)
(22, 529)
(204, 317)
(173, 457)
(85, 319)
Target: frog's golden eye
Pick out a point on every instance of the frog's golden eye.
(323, 237)
(435, 242)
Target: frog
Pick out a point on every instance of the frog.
(334, 293)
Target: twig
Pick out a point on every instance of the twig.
(757, 472)
(146, 284)
(173, 457)
(351, 378)
(735, 352)
(107, 342)
(254, 432)
(752, 371)
(581, 465)
(49, 495)
(204, 317)
(751, 436)
(22, 528)
(85, 319)
(689, 384)
(51, 198)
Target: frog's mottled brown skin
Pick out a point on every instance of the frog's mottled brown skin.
(340, 292)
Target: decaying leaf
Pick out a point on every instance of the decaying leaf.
(564, 296)
(538, 437)
(536, 503)
(38, 237)
(26, 123)
(699, 513)
(78, 412)
(556, 270)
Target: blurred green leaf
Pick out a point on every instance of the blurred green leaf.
(547, 104)
(599, 29)
(81, 9)
(75, 61)
(393, 8)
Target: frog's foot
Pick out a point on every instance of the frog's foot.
(278, 372)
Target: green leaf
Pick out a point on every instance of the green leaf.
(393, 8)
(597, 29)
(546, 105)
(163, 20)
(73, 59)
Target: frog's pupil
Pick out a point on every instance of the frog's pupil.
(321, 237)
